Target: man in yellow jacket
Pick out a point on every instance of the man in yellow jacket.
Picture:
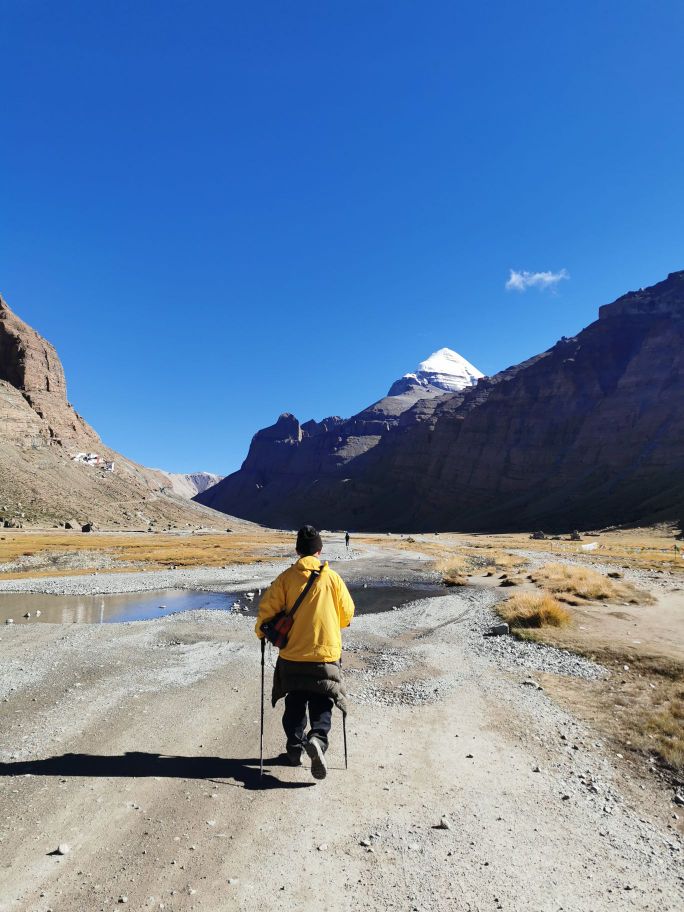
(308, 672)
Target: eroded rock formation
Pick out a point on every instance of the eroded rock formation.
(40, 481)
(30, 365)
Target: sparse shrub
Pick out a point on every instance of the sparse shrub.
(534, 609)
(454, 578)
(510, 581)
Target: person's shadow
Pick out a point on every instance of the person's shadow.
(140, 764)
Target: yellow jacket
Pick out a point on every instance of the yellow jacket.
(315, 634)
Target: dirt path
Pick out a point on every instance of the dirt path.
(137, 745)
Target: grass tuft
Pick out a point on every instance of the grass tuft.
(534, 609)
(454, 578)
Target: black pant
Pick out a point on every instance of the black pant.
(294, 717)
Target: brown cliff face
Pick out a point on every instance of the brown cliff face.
(40, 432)
(31, 365)
(589, 433)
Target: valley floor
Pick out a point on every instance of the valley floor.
(137, 745)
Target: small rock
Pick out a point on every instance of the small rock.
(536, 769)
(443, 824)
(28, 614)
(232, 881)
(323, 847)
(9, 621)
(530, 682)
(63, 848)
(365, 843)
(499, 630)
(123, 899)
(679, 799)
(469, 756)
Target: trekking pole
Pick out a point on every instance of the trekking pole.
(344, 735)
(261, 744)
(344, 729)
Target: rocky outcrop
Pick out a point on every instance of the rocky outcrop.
(40, 481)
(30, 365)
(588, 433)
(666, 297)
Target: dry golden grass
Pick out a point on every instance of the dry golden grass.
(664, 731)
(533, 609)
(200, 550)
(454, 570)
(652, 548)
(489, 557)
(151, 550)
(575, 584)
(49, 574)
(468, 560)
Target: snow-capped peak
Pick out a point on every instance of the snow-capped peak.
(443, 370)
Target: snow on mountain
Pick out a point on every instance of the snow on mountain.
(444, 370)
(190, 485)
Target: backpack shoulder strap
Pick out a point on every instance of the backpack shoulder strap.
(302, 595)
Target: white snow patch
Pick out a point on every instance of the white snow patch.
(445, 370)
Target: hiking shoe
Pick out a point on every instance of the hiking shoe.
(314, 749)
(294, 756)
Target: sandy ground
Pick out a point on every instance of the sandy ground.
(137, 746)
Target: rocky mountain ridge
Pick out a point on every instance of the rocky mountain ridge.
(588, 433)
(190, 484)
(302, 451)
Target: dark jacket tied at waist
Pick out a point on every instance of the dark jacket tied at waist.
(315, 677)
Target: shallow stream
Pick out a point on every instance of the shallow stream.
(145, 606)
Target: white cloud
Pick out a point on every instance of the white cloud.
(521, 281)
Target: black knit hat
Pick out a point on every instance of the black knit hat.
(308, 541)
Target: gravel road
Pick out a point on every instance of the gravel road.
(135, 746)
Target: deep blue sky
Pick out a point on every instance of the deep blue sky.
(221, 211)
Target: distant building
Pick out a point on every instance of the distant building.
(91, 459)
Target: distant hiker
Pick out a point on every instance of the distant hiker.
(308, 671)
(346, 540)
